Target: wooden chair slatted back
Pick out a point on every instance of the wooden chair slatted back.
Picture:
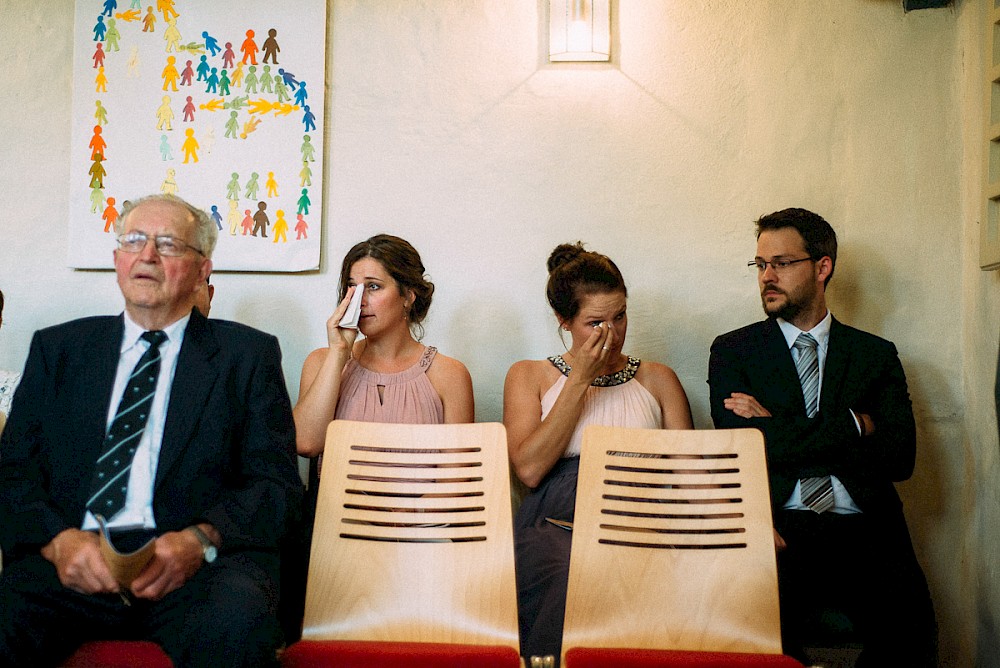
(673, 545)
(413, 539)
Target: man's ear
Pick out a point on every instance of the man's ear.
(205, 270)
(824, 267)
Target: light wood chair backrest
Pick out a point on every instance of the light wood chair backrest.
(673, 545)
(413, 539)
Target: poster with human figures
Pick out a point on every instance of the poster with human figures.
(219, 103)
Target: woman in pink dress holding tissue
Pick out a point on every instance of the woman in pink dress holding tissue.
(388, 375)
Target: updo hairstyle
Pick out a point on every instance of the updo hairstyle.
(402, 262)
(575, 272)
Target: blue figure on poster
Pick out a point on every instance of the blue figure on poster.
(309, 118)
(288, 78)
(216, 216)
(211, 44)
(212, 82)
(100, 30)
(203, 68)
(301, 95)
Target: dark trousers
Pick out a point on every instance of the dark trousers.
(224, 616)
(864, 566)
(541, 551)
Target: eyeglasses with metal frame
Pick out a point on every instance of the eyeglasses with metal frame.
(778, 265)
(167, 246)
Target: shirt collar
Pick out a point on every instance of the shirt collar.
(821, 332)
(174, 331)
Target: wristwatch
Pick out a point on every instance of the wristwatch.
(208, 549)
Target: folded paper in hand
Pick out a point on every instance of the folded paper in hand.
(353, 313)
(125, 567)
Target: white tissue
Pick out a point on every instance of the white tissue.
(353, 313)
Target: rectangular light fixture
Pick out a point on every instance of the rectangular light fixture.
(579, 30)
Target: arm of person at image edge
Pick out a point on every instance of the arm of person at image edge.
(243, 509)
(319, 386)
(865, 454)
(535, 445)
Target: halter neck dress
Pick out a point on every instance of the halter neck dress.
(405, 397)
(541, 548)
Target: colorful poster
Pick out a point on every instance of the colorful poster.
(219, 103)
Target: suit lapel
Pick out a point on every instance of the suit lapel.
(838, 356)
(98, 370)
(784, 379)
(193, 380)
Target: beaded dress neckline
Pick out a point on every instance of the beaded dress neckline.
(607, 380)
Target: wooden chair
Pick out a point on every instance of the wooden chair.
(412, 559)
(672, 561)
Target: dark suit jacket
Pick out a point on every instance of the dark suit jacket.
(228, 450)
(862, 373)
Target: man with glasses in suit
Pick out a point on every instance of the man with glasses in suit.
(166, 426)
(834, 408)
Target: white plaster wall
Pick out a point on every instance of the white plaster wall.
(447, 126)
(981, 319)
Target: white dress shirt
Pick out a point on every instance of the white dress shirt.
(842, 502)
(138, 510)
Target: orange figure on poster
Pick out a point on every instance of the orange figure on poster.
(110, 215)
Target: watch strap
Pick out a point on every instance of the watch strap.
(207, 546)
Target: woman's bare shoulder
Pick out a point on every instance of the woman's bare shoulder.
(655, 372)
(529, 368)
(445, 368)
(317, 356)
(662, 382)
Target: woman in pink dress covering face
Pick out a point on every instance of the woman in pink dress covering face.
(386, 374)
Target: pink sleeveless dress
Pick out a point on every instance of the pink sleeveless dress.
(407, 397)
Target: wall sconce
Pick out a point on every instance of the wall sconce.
(579, 30)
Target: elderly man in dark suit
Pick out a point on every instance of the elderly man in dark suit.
(169, 426)
(834, 408)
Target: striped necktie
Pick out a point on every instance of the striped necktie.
(817, 493)
(807, 365)
(110, 481)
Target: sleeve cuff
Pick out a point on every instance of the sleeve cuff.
(857, 423)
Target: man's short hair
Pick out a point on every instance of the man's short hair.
(206, 232)
(819, 237)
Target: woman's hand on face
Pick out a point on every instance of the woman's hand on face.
(591, 359)
(341, 338)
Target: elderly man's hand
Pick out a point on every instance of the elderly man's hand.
(178, 556)
(77, 557)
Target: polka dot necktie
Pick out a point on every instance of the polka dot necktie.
(817, 493)
(110, 481)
